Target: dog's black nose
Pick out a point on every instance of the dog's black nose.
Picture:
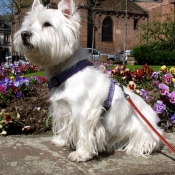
(25, 35)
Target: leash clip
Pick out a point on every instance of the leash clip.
(126, 95)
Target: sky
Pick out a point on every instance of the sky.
(3, 3)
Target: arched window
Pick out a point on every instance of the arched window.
(135, 24)
(107, 32)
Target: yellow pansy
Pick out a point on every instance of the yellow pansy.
(164, 68)
(173, 80)
(138, 92)
(172, 70)
(12, 77)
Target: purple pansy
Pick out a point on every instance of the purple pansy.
(147, 98)
(157, 119)
(172, 97)
(169, 124)
(2, 82)
(155, 75)
(8, 82)
(164, 89)
(167, 78)
(25, 80)
(16, 83)
(173, 118)
(108, 71)
(19, 81)
(155, 90)
(144, 94)
(159, 107)
(19, 95)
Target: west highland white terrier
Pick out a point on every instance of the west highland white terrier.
(90, 112)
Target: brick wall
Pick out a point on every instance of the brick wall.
(83, 30)
(118, 34)
(149, 5)
(158, 8)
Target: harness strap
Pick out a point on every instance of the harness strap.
(57, 80)
(108, 101)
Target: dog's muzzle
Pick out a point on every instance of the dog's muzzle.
(25, 35)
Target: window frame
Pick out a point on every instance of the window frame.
(136, 21)
(107, 32)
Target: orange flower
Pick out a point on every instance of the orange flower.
(8, 117)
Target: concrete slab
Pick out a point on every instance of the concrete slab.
(36, 155)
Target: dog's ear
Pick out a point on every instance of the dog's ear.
(67, 7)
(36, 5)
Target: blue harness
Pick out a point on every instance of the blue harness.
(57, 80)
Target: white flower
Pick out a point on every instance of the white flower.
(3, 133)
(25, 128)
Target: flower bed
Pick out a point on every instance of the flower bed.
(14, 85)
(18, 68)
(156, 88)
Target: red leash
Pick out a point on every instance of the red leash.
(149, 124)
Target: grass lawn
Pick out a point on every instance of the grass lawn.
(41, 73)
(134, 67)
(131, 67)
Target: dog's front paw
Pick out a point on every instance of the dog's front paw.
(59, 142)
(79, 156)
(110, 150)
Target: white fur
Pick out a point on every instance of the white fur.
(77, 104)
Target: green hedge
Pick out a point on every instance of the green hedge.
(154, 54)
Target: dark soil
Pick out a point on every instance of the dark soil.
(33, 111)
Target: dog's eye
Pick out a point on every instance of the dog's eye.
(46, 24)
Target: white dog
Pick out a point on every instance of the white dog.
(90, 112)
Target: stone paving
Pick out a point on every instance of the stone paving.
(36, 155)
